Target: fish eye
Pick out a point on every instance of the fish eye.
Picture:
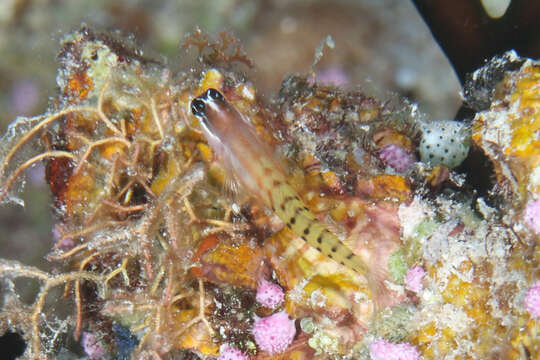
(214, 94)
(198, 107)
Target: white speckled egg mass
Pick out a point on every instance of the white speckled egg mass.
(444, 142)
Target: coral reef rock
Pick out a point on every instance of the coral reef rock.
(161, 254)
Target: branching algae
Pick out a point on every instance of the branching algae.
(159, 259)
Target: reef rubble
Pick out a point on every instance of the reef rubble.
(161, 255)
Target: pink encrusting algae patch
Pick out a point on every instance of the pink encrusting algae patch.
(381, 349)
(231, 353)
(532, 216)
(333, 76)
(274, 333)
(532, 300)
(397, 158)
(269, 294)
(414, 278)
(92, 346)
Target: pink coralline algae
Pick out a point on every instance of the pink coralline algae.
(532, 216)
(274, 333)
(333, 76)
(397, 158)
(92, 347)
(532, 300)
(269, 294)
(414, 278)
(230, 353)
(381, 349)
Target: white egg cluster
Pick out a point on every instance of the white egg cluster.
(444, 142)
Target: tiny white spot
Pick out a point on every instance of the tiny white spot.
(288, 25)
(248, 92)
(289, 116)
(406, 78)
(495, 8)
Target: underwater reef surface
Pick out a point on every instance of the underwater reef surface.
(160, 253)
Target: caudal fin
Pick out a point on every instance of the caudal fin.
(381, 295)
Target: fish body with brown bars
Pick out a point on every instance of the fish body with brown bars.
(243, 153)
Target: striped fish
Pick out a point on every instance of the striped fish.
(241, 151)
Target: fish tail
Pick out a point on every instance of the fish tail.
(297, 217)
(380, 294)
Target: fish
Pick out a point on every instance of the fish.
(244, 154)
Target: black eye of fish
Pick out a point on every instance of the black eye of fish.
(198, 107)
(214, 94)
